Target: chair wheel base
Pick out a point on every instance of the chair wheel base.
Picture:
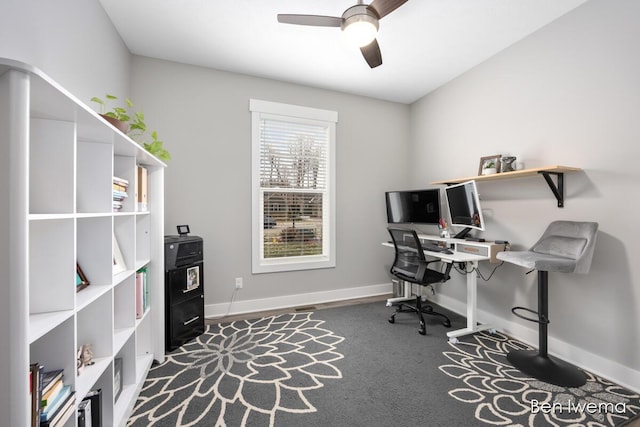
(546, 369)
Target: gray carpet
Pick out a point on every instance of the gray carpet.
(348, 366)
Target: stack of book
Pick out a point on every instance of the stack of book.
(120, 187)
(142, 292)
(52, 401)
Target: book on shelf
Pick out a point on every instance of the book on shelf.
(84, 413)
(120, 187)
(56, 404)
(46, 388)
(117, 378)
(145, 289)
(141, 188)
(50, 378)
(95, 397)
(36, 372)
(119, 192)
(50, 394)
(141, 292)
(119, 195)
(120, 181)
(63, 413)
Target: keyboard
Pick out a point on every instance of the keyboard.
(435, 248)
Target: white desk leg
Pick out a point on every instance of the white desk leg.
(472, 305)
(405, 297)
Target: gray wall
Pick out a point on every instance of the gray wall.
(203, 117)
(567, 95)
(73, 41)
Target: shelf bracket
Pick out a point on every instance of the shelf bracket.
(557, 189)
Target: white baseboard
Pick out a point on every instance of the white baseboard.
(288, 301)
(600, 366)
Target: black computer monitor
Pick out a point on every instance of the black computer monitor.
(413, 207)
(464, 207)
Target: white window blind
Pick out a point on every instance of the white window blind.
(293, 150)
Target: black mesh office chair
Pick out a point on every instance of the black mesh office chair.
(411, 265)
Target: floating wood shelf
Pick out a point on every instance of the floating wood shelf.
(557, 188)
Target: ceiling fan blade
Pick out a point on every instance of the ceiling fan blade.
(312, 20)
(371, 53)
(384, 7)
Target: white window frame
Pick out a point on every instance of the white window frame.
(260, 109)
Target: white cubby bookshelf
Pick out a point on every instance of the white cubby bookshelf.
(57, 160)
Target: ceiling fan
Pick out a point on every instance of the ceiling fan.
(359, 23)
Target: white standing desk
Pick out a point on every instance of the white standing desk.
(471, 263)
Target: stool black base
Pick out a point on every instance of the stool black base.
(545, 369)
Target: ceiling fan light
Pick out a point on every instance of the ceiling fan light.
(360, 30)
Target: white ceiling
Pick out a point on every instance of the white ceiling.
(424, 43)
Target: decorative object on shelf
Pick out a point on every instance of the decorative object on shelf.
(507, 163)
(117, 377)
(118, 261)
(132, 124)
(117, 116)
(85, 357)
(489, 165)
(81, 279)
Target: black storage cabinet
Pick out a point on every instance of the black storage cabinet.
(184, 290)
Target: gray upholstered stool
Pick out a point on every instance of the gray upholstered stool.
(565, 247)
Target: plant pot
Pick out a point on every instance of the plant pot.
(118, 124)
(489, 171)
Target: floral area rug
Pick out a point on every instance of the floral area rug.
(348, 366)
(241, 374)
(504, 396)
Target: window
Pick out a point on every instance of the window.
(293, 175)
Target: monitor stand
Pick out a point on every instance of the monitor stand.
(462, 234)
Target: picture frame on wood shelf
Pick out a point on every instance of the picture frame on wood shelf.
(118, 260)
(489, 165)
(81, 280)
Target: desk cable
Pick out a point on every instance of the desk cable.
(461, 268)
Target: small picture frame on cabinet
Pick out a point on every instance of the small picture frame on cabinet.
(81, 279)
(193, 278)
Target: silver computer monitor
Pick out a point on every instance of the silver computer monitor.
(464, 207)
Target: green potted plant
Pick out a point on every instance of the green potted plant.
(132, 124)
(117, 116)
